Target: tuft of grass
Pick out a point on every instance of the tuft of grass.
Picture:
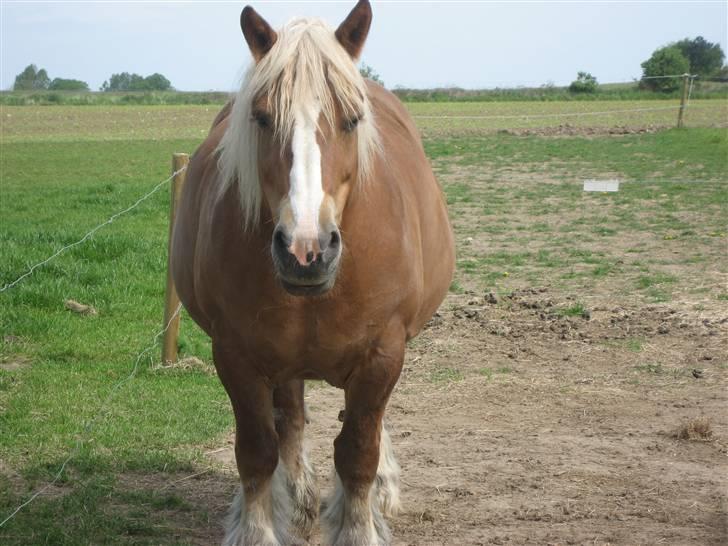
(696, 430)
(647, 281)
(446, 375)
(575, 310)
(456, 287)
(651, 368)
(458, 193)
(634, 344)
(658, 295)
(490, 373)
(655, 286)
(603, 269)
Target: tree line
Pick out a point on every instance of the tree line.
(33, 79)
(697, 57)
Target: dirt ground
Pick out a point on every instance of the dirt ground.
(542, 429)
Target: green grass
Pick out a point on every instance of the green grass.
(652, 368)
(657, 369)
(489, 373)
(522, 198)
(66, 364)
(576, 310)
(189, 121)
(681, 158)
(649, 281)
(446, 375)
(456, 288)
(635, 345)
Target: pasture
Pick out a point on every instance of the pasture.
(571, 389)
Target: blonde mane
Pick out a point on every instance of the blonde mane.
(305, 64)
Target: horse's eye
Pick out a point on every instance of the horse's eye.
(351, 124)
(262, 119)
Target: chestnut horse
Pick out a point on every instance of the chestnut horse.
(311, 242)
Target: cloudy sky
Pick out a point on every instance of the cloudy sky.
(199, 45)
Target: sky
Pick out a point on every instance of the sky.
(199, 45)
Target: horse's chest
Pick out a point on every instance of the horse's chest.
(310, 341)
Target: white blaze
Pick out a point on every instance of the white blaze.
(306, 192)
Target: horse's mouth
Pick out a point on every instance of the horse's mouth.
(298, 289)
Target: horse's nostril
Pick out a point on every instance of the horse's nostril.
(309, 256)
(335, 238)
(280, 239)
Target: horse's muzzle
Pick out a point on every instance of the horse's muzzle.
(312, 273)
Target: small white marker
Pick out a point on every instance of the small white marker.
(601, 185)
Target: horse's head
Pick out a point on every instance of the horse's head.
(304, 114)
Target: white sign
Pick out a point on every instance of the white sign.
(601, 185)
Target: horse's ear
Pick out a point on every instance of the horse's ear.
(258, 33)
(352, 33)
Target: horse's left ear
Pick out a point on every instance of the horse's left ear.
(352, 33)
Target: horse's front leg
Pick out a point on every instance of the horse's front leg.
(352, 516)
(290, 418)
(261, 511)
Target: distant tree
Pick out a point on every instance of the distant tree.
(665, 61)
(117, 82)
(705, 58)
(137, 83)
(157, 82)
(584, 83)
(61, 84)
(134, 82)
(368, 72)
(31, 78)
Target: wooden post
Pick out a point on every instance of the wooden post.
(171, 300)
(683, 100)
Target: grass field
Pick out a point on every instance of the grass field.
(162, 123)
(521, 220)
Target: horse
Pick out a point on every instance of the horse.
(312, 241)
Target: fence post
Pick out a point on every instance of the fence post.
(171, 300)
(683, 100)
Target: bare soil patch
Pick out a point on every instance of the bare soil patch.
(567, 129)
(14, 363)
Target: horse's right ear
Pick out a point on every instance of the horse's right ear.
(258, 33)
